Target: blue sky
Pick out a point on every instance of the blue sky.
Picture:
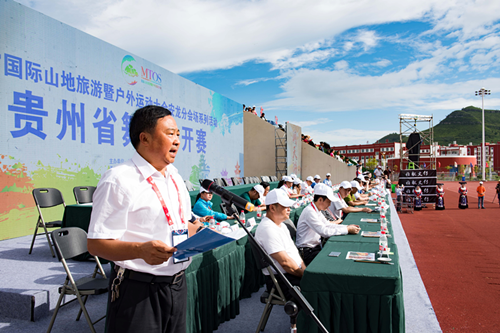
(343, 70)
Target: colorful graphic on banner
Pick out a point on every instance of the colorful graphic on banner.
(66, 99)
(294, 149)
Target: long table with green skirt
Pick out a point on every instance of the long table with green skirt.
(349, 296)
(216, 279)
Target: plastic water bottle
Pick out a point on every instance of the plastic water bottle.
(244, 220)
(259, 213)
(382, 243)
(219, 228)
(211, 224)
(383, 225)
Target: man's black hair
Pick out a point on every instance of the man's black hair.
(265, 184)
(317, 197)
(144, 120)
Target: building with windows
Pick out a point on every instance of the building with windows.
(492, 154)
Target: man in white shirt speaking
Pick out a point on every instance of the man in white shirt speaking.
(141, 210)
(273, 235)
(313, 225)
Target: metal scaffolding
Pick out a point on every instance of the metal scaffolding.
(281, 156)
(408, 125)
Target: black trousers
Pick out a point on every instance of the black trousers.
(309, 253)
(294, 280)
(148, 307)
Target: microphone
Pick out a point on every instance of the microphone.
(227, 196)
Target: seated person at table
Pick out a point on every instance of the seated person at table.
(287, 187)
(273, 235)
(360, 195)
(267, 188)
(351, 199)
(339, 208)
(203, 206)
(297, 186)
(306, 188)
(253, 196)
(313, 225)
(317, 179)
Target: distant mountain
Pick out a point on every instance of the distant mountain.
(462, 126)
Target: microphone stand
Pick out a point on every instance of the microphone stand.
(301, 301)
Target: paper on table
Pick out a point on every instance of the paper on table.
(360, 255)
(370, 233)
(370, 220)
(205, 240)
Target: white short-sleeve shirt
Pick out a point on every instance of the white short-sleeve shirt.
(125, 207)
(337, 204)
(274, 239)
(313, 225)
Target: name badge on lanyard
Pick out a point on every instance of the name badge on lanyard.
(179, 236)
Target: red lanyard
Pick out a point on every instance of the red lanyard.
(160, 197)
(314, 207)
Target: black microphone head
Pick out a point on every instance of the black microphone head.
(205, 183)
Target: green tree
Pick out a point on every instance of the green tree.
(371, 163)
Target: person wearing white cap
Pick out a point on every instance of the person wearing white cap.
(287, 187)
(327, 180)
(359, 195)
(313, 225)
(273, 235)
(378, 172)
(297, 186)
(351, 199)
(317, 179)
(306, 188)
(339, 207)
(203, 206)
(254, 195)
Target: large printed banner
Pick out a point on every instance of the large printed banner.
(66, 99)
(294, 149)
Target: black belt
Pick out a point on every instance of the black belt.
(150, 278)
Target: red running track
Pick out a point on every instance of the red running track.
(458, 255)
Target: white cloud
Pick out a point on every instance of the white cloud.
(192, 35)
(382, 63)
(308, 123)
(346, 136)
(341, 65)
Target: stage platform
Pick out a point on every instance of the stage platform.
(29, 282)
(29, 286)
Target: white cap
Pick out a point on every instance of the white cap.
(293, 176)
(297, 181)
(345, 184)
(362, 178)
(323, 189)
(280, 197)
(310, 178)
(283, 177)
(356, 185)
(317, 177)
(287, 179)
(378, 166)
(480, 182)
(328, 174)
(260, 189)
(202, 189)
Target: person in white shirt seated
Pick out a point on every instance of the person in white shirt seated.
(360, 195)
(287, 187)
(313, 225)
(327, 180)
(273, 235)
(306, 186)
(339, 207)
(378, 172)
(297, 187)
(317, 180)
